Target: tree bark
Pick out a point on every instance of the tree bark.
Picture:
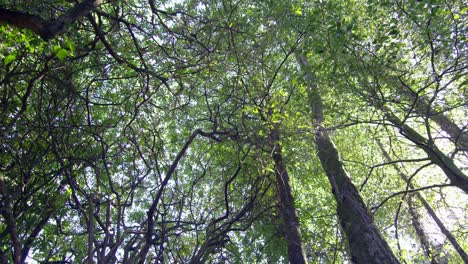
(47, 29)
(288, 210)
(90, 226)
(365, 242)
(6, 211)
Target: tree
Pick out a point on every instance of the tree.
(365, 242)
(155, 131)
(415, 217)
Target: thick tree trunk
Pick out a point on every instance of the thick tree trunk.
(288, 210)
(365, 242)
(428, 208)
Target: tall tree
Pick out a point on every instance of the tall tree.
(180, 131)
(365, 242)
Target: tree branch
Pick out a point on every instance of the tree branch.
(151, 211)
(375, 208)
(47, 29)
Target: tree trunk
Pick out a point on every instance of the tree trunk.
(426, 244)
(90, 230)
(365, 242)
(456, 176)
(288, 210)
(6, 211)
(423, 108)
(429, 209)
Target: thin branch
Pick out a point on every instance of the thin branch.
(375, 208)
(118, 58)
(151, 211)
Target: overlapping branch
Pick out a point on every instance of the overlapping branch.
(47, 29)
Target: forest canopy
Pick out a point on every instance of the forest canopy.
(233, 131)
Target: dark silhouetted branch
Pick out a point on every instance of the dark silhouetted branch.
(47, 29)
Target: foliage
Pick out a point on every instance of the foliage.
(143, 132)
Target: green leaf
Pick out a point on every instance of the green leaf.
(297, 10)
(70, 44)
(8, 59)
(61, 54)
